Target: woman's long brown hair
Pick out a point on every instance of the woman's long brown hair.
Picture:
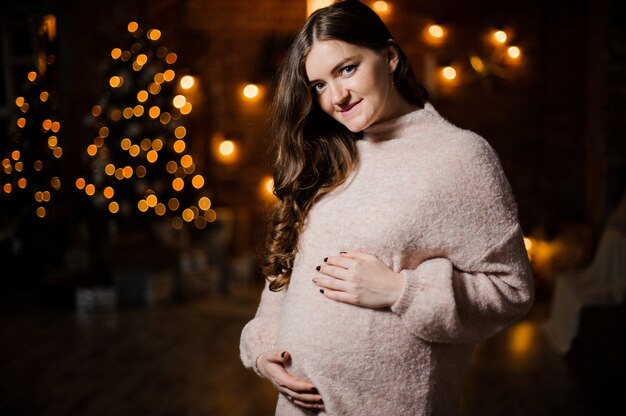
(313, 153)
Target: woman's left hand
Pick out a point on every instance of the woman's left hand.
(359, 279)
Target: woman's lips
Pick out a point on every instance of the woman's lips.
(347, 109)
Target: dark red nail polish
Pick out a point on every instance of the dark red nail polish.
(321, 290)
(282, 355)
(318, 268)
(325, 258)
(342, 252)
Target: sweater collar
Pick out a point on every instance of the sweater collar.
(399, 126)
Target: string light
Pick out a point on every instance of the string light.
(514, 52)
(267, 188)
(187, 82)
(500, 36)
(448, 73)
(313, 5)
(477, 64)
(383, 8)
(434, 34)
(227, 148)
(250, 91)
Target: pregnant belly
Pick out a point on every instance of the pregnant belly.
(323, 335)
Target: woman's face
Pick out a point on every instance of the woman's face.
(352, 84)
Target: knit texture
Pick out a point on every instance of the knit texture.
(431, 201)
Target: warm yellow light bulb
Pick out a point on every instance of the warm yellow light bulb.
(197, 181)
(80, 183)
(142, 205)
(141, 59)
(154, 34)
(169, 75)
(227, 147)
(477, 64)
(187, 82)
(114, 207)
(154, 112)
(160, 209)
(179, 101)
(178, 184)
(108, 192)
(152, 156)
(186, 161)
(269, 186)
(116, 82)
(152, 200)
(204, 203)
(266, 188)
(436, 31)
(381, 7)
(313, 5)
(210, 215)
(142, 96)
(250, 91)
(90, 189)
(171, 58)
(188, 215)
(514, 52)
(449, 73)
(500, 36)
(179, 146)
(180, 132)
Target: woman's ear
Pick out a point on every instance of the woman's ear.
(393, 57)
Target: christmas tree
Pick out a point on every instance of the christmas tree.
(139, 161)
(30, 175)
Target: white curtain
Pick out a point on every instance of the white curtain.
(603, 282)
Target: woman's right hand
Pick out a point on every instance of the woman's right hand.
(301, 393)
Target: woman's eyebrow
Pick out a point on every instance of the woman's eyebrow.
(336, 67)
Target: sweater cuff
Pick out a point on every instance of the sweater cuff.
(253, 343)
(416, 281)
(263, 348)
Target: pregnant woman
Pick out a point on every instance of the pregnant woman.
(395, 245)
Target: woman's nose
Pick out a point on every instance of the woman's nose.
(340, 94)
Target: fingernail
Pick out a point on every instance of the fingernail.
(342, 252)
(318, 268)
(325, 258)
(321, 290)
(282, 355)
(314, 280)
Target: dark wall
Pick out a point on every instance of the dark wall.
(557, 121)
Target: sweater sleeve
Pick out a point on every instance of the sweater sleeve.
(259, 334)
(481, 280)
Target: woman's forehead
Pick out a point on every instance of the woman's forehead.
(324, 55)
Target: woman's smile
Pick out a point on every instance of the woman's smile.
(347, 110)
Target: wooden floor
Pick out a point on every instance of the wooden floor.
(181, 358)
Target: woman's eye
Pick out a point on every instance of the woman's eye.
(318, 87)
(347, 70)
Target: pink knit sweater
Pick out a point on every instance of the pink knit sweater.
(431, 201)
